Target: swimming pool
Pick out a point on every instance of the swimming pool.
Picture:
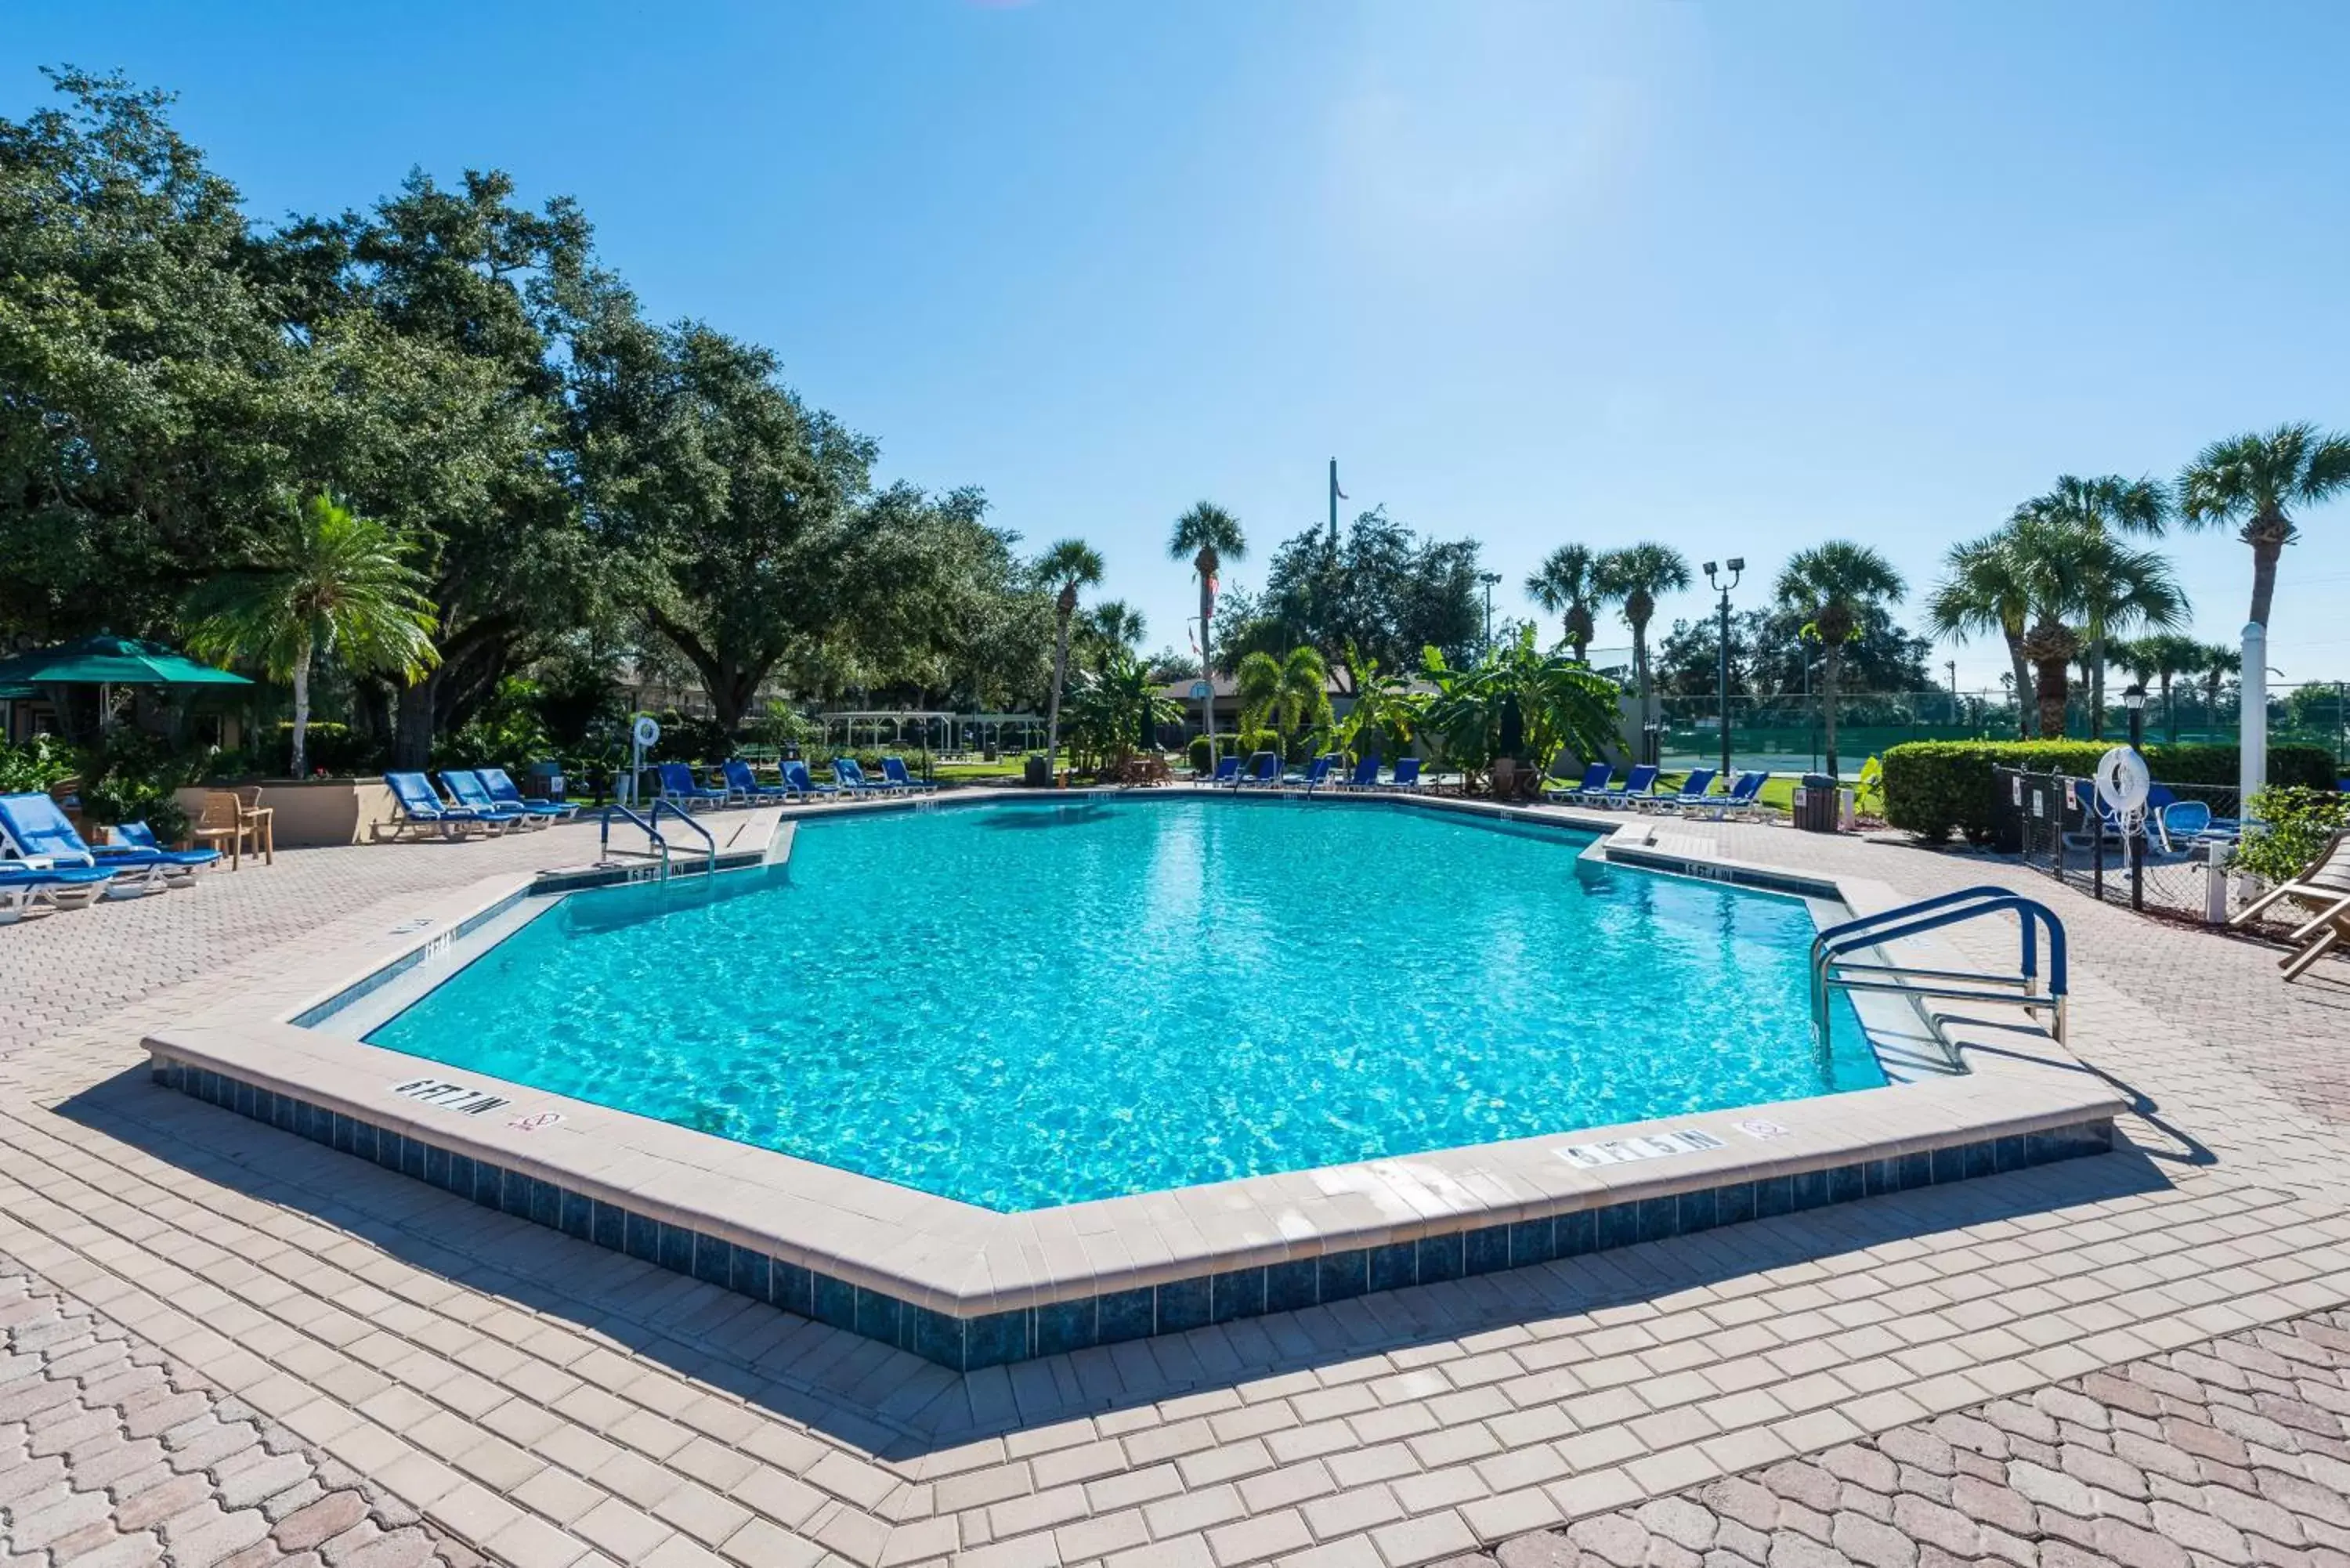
(1021, 1005)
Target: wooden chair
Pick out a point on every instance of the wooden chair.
(222, 817)
(260, 819)
(2325, 885)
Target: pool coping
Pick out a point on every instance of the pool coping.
(970, 1287)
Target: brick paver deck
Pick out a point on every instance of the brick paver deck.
(2231, 1452)
(111, 1456)
(547, 1403)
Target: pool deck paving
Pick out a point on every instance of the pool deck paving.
(2132, 1358)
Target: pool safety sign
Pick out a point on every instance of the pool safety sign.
(448, 1096)
(1650, 1145)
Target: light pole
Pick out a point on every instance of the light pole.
(1737, 566)
(1489, 579)
(2133, 700)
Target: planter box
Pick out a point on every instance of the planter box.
(312, 812)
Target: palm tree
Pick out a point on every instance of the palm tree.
(1113, 626)
(1633, 577)
(2162, 657)
(1832, 586)
(1206, 535)
(2122, 588)
(2106, 505)
(1567, 582)
(2076, 573)
(1075, 565)
(323, 581)
(1986, 592)
(1288, 694)
(2219, 662)
(2251, 481)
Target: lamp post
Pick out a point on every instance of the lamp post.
(1489, 579)
(2133, 700)
(1736, 566)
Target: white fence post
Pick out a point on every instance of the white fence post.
(2252, 716)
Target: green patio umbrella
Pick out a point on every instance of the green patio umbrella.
(108, 660)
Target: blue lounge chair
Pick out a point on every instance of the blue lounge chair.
(1744, 798)
(1638, 788)
(895, 776)
(1595, 783)
(681, 788)
(796, 780)
(1364, 776)
(39, 837)
(179, 866)
(2185, 824)
(417, 805)
(1227, 771)
(849, 779)
(744, 785)
(502, 791)
(24, 887)
(1263, 772)
(1406, 776)
(467, 788)
(1696, 791)
(1317, 771)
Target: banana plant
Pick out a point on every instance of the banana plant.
(1560, 704)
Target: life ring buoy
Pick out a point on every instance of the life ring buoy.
(2123, 782)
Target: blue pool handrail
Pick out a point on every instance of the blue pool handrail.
(1831, 970)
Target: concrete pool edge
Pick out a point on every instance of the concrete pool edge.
(970, 1287)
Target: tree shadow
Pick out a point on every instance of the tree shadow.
(899, 1407)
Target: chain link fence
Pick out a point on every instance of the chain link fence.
(2175, 863)
(1787, 733)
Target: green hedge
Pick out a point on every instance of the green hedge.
(1933, 788)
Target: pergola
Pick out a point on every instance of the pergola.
(931, 731)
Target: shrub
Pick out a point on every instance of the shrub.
(332, 749)
(1200, 753)
(691, 740)
(33, 767)
(1933, 788)
(1248, 742)
(2300, 820)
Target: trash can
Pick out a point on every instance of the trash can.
(1815, 803)
(1037, 773)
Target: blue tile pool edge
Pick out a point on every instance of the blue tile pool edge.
(969, 1344)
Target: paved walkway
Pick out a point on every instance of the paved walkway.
(547, 1403)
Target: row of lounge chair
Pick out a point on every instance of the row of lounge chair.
(485, 800)
(479, 799)
(735, 784)
(46, 863)
(1263, 771)
(1638, 791)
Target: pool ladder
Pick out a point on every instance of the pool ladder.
(649, 821)
(1831, 971)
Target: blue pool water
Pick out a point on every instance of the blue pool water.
(1022, 1005)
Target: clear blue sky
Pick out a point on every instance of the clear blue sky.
(1738, 276)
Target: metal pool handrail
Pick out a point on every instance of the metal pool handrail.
(1830, 970)
(649, 823)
